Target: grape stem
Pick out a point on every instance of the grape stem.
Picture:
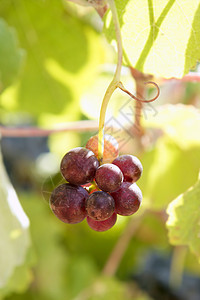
(114, 83)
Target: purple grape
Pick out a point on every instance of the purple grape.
(127, 199)
(79, 165)
(108, 177)
(102, 225)
(130, 166)
(100, 206)
(68, 203)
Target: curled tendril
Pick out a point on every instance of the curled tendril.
(121, 86)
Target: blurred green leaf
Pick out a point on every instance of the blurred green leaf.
(62, 56)
(159, 37)
(168, 172)
(107, 288)
(11, 56)
(14, 230)
(172, 164)
(21, 278)
(81, 273)
(184, 220)
(181, 123)
(52, 257)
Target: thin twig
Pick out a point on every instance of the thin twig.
(177, 266)
(116, 255)
(94, 3)
(80, 126)
(190, 77)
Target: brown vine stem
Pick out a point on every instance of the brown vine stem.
(140, 90)
(190, 77)
(116, 255)
(140, 79)
(94, 3)
(80, 126)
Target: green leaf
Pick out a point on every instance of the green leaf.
(184, 220)
(14, 229)
(159, 37)
(11, 56)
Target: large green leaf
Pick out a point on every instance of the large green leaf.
(184, 220)
(10, 55)
(159, 37)
(14, 229)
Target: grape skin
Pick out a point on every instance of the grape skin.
(79, 165)
(102, 225)
(67, 202)
(108, 177)
(110, 147)
(130, 166)
(127, 199)
(100, 206)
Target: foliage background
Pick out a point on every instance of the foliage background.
(55, 66)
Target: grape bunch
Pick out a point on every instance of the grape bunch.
(97, 192)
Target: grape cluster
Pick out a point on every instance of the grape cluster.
(97, 192)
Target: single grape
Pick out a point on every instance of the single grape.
(100, 206)
(108, 177)
(130, 166)
(67, 202)
(110, 147)
(102, 225)
(127, 199)
(79, 165)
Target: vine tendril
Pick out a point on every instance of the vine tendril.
(121, 86)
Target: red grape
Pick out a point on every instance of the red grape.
(108, 177)
(102, 225)
(130, 166)
(79, 165)
(127, 199)
(110, 147)
(100, 206)
(68, 203)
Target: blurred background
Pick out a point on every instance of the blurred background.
(55, 67)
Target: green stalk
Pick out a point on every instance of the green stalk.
(177, 266)
(114, 83)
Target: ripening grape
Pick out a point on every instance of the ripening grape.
(100, 206)
(110, 147)
(79, 165)
(68, 203)
(108, 177)
(130, 166)
(127, 199)
(102, 225)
